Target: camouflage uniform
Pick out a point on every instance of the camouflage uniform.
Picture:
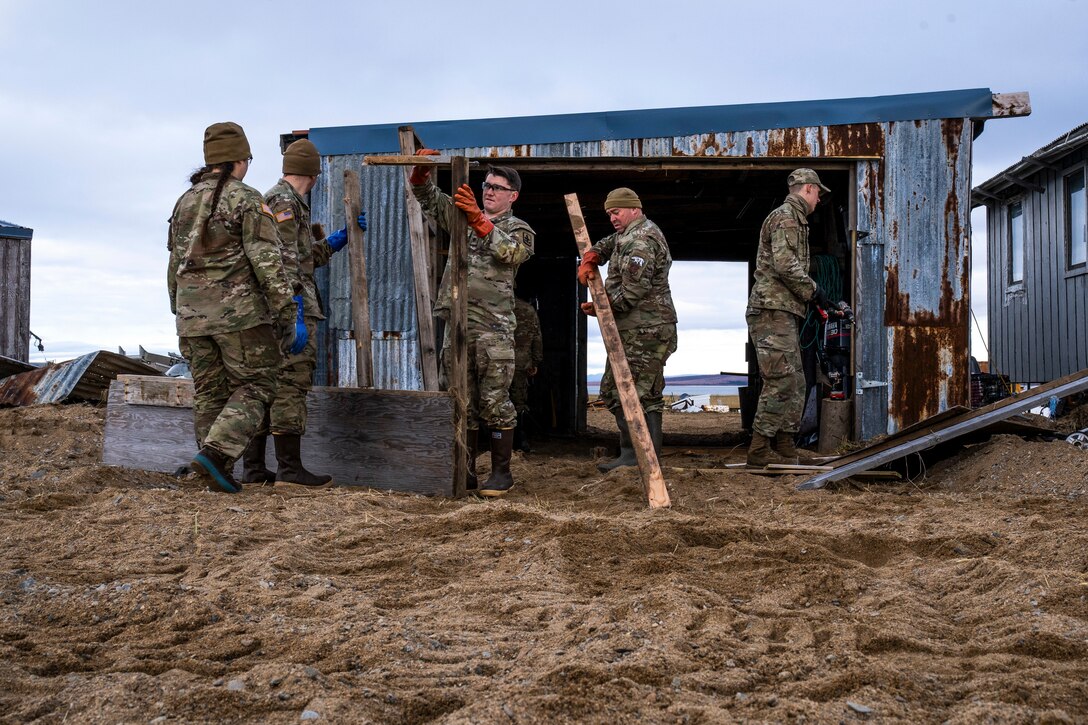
(638, 291)
(301, 255)
(227, 291)
(776, 307)
(528, 352)
(492, 264)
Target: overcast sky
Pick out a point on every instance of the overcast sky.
(103, 107)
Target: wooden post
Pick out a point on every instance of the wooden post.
(652, 481)
(458, 330)
(421, 269)
(360, 296)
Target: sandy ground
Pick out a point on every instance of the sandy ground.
(137, 597)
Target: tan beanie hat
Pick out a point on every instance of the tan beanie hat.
(225, 142)
(622, 198)
(301, 158)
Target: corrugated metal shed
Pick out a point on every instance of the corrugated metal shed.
(86, 378)
(15, 242)
(900, 166)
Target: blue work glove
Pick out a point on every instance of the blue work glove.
(339, 238)
(301, 336)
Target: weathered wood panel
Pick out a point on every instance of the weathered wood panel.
(387, 439)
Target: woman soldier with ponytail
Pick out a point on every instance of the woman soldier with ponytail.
(232, 299)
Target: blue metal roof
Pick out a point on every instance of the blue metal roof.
(657, 123)
(14, 231)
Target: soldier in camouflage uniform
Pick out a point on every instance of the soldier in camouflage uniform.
(302, 253)
(498, 243)
(528, 354)
(232, 300)
(776, 306)
(638, 291)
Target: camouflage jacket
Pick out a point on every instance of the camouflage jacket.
(528, 343)
(638, 275)
(302, 254)
(234, 278)
(781, 276)
(492, 263)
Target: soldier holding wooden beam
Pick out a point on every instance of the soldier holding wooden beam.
(638, 291)
(498, 243)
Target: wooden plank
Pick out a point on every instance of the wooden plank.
(640, 164)
(411, 160)
(421, 269)
(1011, 105)
(458, 330)
(652, 480)
(360, 295)
(157, 390)
(397, 440)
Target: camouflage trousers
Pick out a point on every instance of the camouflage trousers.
(293, 381)
(490, 372)
(234, 380)
(647, 349)
(778, 352)
(519, 391)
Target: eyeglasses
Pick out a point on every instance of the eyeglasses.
(249, 160)
(496, 187)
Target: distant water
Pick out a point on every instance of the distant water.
(678, 390)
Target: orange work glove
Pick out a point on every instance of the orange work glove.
(589, 309)
(420, 174)
(587, 270)
(465, 200)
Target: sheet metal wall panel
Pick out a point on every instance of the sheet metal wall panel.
(927, 256)
(15, 298)
(872, 342)
(389, 273)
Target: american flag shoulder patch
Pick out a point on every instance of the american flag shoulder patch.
(266, 209)
(285, 215)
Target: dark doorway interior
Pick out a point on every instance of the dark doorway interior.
(709, 211)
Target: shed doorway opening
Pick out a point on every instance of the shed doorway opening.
(710, 212)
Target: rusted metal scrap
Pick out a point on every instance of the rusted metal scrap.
(85, 378)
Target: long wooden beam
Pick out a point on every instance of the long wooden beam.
(458, 329)
(421, 269)
(360, 294)
(411, 160)
(652, 481)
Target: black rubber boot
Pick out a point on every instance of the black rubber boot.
(212, 464)
(653, 422)
(627, 451)
(253, 470)
(289, 457)
(501, 480)
(760, 453)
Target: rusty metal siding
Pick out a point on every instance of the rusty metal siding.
(1036, 328)
(85, 378)
(927, 257)
(394, 342)
(15, 298)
